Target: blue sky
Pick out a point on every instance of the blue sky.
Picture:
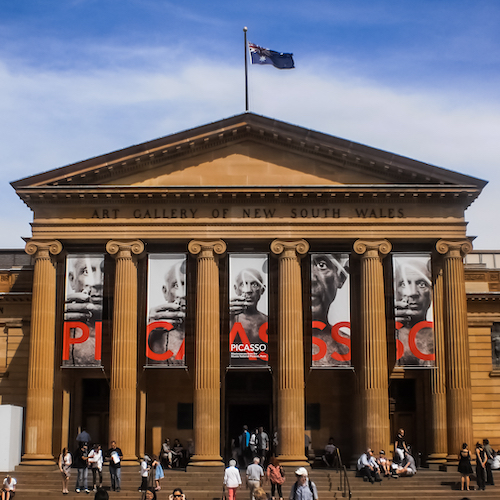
(80, 78)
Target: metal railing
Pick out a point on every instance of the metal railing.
(344, 485)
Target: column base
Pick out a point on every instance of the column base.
(294, 461)
(38, 459)
(452, 459)
(206, 461)
(437, 458)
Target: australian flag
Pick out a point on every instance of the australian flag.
(265, 56)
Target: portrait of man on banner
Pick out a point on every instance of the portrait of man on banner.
(414, 325)
(166, 324)
(248, 309)
(82, 326)
(330, 310)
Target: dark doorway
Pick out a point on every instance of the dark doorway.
(248, 402)
(95, 409)
(402, 394)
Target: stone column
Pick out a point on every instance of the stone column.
(456, 344)
(123, 390)
(291, 384)
(40, 397)
(207, 354)
(373, 376)
(439, 438)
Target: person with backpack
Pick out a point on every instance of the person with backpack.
(276, 475)
(303, 488)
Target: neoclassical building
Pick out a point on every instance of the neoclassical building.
(248, 272)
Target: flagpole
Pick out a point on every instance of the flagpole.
(246, 69)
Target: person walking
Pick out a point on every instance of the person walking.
(480, 466)
(464, 466)
(276, 475)
(145, 468)
(232, 479)
(114, 455)
(303, 488)
(65, 461)
(254, 474)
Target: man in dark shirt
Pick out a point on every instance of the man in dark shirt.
(114, 455)
(81, 457)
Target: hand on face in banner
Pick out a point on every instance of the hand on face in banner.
(238, 305)
(83, 307)
(173, 312)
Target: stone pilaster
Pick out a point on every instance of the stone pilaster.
(439, 438)
(123, 390)
(291, 385)
(373, 371)
(456, 343)
(40, 397)
(207, 354)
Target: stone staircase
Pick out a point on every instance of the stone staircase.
(44, 482)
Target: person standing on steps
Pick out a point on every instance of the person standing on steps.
(464, 466)
(303, 488)
(114, 455)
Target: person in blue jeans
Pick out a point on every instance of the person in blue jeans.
(114, 455)
(80, 462)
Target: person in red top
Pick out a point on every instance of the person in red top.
(276, 476)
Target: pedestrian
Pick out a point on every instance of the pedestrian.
(276, 475)
(65, 461)
(101, 494)
(159, 475)
(95, 461)
(254, 475)
(8, 488)
(260, 494)
(114, 455)
(81, 464)
(145, 468)
(232, 479)
(490, 454)
(464, 466)
(303, 488)
(480, 466)
(150, 493)
(177, 495)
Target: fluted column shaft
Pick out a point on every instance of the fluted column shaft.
(123, 390)
(291, 397)
(207, 354)
(439, 438)
(40, 395)
(458, 378)
(373, 378)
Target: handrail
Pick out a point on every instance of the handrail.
(344, 485)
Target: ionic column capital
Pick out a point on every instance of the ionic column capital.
(372, 248)
(124, 249)
(43, 248)
(454, 248)
(207, 248)
(290, 248)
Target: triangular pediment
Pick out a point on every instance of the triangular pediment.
(246, 150)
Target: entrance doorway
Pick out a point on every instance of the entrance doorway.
(95, 409)
(248, 402)
(402, 394)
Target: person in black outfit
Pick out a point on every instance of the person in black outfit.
(480, 466)
(114, 455)
(489, 460)
(464, 466)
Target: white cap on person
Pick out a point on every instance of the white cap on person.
(301, 471)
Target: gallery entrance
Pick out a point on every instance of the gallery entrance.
(248, 401)
(95, 409)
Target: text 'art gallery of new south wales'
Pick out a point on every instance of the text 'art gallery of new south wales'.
(251, 272)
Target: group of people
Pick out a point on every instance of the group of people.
(84, 459)
(302, 489)
(251, 445)
(403, 464)
(486, 461)
(175, 455)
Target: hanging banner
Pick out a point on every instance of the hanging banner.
(165, 330)
(413, 310)
(330, 308)
(82, 326)
(248, 309)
